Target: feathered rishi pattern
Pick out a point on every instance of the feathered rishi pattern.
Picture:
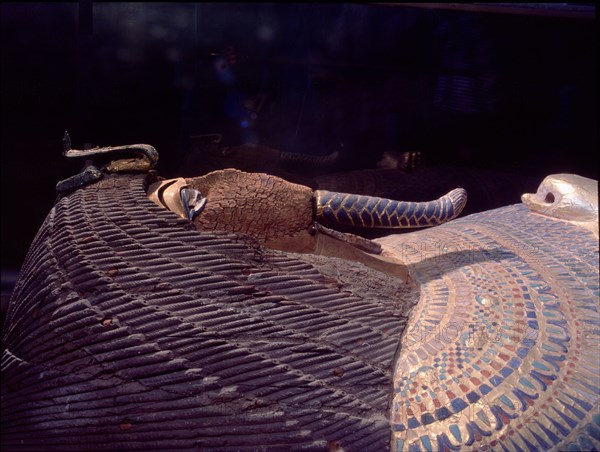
(128, 329)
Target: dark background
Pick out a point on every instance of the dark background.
(499, 86)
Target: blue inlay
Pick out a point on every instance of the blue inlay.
(524, 397)
(399, 427)
(533, 324)
(506, 401)
(594, 389)
(549, 433)
(485, 389)
(525, 382)
(414, 448)
(585, 405)
(585, 443)
(596, 419)
(530, 315)
(522, 352)
(561, 428)
(514, 363)
(458, 405)
(549, 348)
(541, 378)
(571, 422)
(474, 430)
(572, 409)
(517, 448)
(593, 431)
(455, 432)
(442, 413)
(530, 446)
(539, 439)
(426, 442)
(539, 365)
(443, 443)
(413, 423)
(473, 397)
(399, 444)
(506, 372)
(427, 419)
(528, 342)
(496, 380)
(553, 360)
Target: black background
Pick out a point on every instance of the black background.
(509, 88)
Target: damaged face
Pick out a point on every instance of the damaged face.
(178, 197)
(565, 196)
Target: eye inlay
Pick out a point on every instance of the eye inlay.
(161, 193)
(549, 198)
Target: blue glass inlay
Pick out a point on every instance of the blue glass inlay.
(399, 427)
(506, 372)
(571, 422)
(442, 413)
(524, 397)
(539, 439)
(506, 401)
(585, 405)
(525, 382)
(561, 428)
(514, 363)
(572, 409)
(533, 324)
(473, 397)
(399, 444)
(522, 352)
(595, 389)
(593, 431)
(539, 365)
(496, 380)
(413, 423)
(414, 448)
(585, 443)
(530, 446)
(458, 405)
(528, 342)
(456, 432)
(485, 389)
(426, 442)
(549, 433)
(427, 419)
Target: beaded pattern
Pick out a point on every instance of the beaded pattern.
(501, 352)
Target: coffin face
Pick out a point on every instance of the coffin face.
(565, 196)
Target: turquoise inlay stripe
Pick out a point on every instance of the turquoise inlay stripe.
(549, 348)
(458, 405)
(506, 401)
(456, 432)
(525, 382)
(539, 365)
(426, 442)
(399, 444)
